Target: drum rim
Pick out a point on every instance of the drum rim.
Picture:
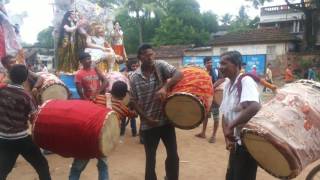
(101, 134)
(294, 163)
(313, 84)
(203, 114)
(47, 86)
(35, 119)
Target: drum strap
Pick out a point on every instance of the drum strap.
(239, 84)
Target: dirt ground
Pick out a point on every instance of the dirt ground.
(198, 160)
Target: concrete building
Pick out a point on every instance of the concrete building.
(258, 47)
(282, 17)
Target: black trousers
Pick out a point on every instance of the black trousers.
(152, 138)
(10, 150)
(241, 165)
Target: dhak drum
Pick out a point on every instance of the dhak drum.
(218, 93)
(284, 137)
(52, 88)
(76, 128)
(190, 99)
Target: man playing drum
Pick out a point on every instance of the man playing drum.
(34, 81)
(214, 73)
(16, 108)
(149, 85)
(89, 82)
(237, 109)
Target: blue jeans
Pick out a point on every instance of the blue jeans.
(78, 166)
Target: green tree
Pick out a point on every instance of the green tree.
(311, 9)
(241, 22)
(45, 38)
(186, 10)
(142, 11)
(184, 24)
(108, 3)
(130, 31)
(210, 21)
(226, 19)
(173, 32)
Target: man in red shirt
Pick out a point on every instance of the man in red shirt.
(288, 76)
(89, 81)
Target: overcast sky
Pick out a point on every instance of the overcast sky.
(40, 13)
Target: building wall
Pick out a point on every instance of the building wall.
(280, 49)
(281, 17)
(198, 53)
(176, 62)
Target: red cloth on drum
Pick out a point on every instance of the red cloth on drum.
(2, 43)
(122, 110)
(74, 128)
(118, 49)
(117, 105)
(196, 81)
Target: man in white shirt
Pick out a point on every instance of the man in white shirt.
(240, 103)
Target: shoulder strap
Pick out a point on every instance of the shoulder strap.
(239, 84)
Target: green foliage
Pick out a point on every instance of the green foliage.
(242, 22)
(226, 19)
(45, 38)
(165, 22)
(185, 24)
(172, 31)
(305, 63)
(210, 21)
(107, 3)
(186, 10)
(130, 30)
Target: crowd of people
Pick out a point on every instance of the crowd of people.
(150, 80)
(149, 85)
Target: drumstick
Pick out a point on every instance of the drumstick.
(268, 85)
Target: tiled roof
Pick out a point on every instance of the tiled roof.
(263, 35)
(170, 51)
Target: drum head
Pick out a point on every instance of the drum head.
(184, 110)
(54, 91)
(110, 133)
(267, 156)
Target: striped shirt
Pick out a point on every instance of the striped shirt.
(15, 107)
(143, 91)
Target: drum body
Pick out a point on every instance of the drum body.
(52, 88)
(190, 99)
(284, 137)
(76, 128)
(218, 93)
